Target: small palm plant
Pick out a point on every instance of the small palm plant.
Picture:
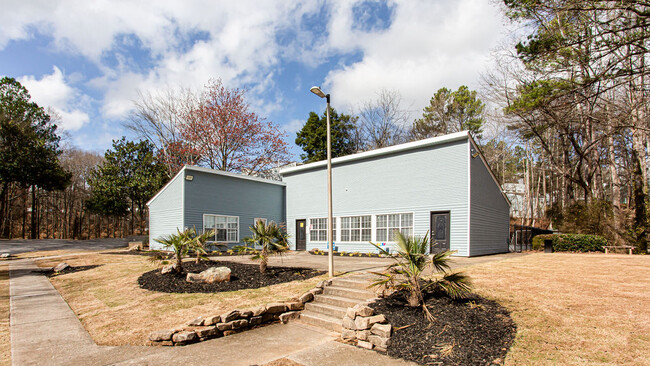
(271, 238)
(407, 272)
(179, 243)
(198, 244)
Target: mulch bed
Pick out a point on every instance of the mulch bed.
(476, 331)
(71, 269)
(345, 254)
(243, 276)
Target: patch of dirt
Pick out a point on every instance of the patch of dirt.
(50, 272)
(476, 331)
(282, 362)
(243, 276)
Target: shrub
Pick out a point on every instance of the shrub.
(578, 243)
(538, 240)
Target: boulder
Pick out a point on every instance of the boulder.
(5, 255)
(216, 274)
(162, 335)
(361, 323)
(184, 337)
(376, 319)
(364, 344)
(197, 321)
(382, 330)
(274, 308)
(306, 297)
(229, 316)
(60, 267)
(212, 320)
(285, 317)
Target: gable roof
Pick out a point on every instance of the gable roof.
(214, 172)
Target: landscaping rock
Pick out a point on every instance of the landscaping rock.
(241, 323)
(257, 311)
(349, 335)
(256, 320)
(168, 268)
(295, 305)
(5, 255)
(363, 334)
(381, 349)
(206, 332)
(224, 326)
(361, 323)
(229, 316)
(267, 317)
(379, 341)
(212, 320)
(376, 319)
(184, 337)
(274, 308)
(322, 284)
(162, 335)
(306, 297)
(351, 313)
(60, 267)
(349, 323)
(197, 321)
(382, 330)
(166, 343)
(363, 310)
(364, 344)
(316, 291)
(285, 317)
(245, 313)
(229, 332)
(216, 274)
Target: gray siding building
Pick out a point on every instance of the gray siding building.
(204, 198)
(440, 187)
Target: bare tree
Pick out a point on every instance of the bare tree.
(382, 121)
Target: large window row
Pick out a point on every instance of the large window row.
(226, 228)
(360, 228)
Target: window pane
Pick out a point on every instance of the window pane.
(393, 221)
(221, 234)
(345, 235)
(381, 221)
(366, 221)
(232, 235)
(356, 222)
(407, 220)
(345, 222)
(381, 235)
(365, 235)
(355, 235)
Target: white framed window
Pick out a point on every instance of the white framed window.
(226, 228)
(259, 219)
(387, 225)
(318, 229)
(356, 228)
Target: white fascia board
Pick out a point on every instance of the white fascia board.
(383, 151)
(166, 185)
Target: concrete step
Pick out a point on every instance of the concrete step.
(326, 309)
(351, 293)
(321, 320)
(343, 302)
(351, 282)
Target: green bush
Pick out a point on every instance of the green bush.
(538, 240)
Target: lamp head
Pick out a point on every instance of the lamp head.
(316, 90)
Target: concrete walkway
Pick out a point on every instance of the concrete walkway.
(44, 330)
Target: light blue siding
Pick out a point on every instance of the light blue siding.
(166, 211)
(418, 181)
(210, 193)
(489, 212)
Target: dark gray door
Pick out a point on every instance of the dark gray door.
(439, 231)
(301, 234)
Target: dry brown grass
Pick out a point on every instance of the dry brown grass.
(116, 311)
(48, 253)
(5, 344)
(573, 309)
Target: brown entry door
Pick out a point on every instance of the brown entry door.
(439, 231)
(301, 234)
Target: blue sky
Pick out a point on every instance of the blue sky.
(88, 60)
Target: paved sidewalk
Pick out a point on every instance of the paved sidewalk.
(44, 330)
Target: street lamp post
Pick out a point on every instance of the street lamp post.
(330, 237)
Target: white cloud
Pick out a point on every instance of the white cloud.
(53, 91)
(293, 126)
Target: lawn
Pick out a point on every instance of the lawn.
(5, 344)
(116, 311)
(573, 309)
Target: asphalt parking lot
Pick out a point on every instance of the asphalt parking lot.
(16, 246)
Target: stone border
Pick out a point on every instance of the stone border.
(234, 321)
(364, 329)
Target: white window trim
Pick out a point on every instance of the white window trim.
(336, 230)
(361, 228)
(375, 227)
(219, 241)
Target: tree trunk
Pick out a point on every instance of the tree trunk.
(640, 213)
(264, 261)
